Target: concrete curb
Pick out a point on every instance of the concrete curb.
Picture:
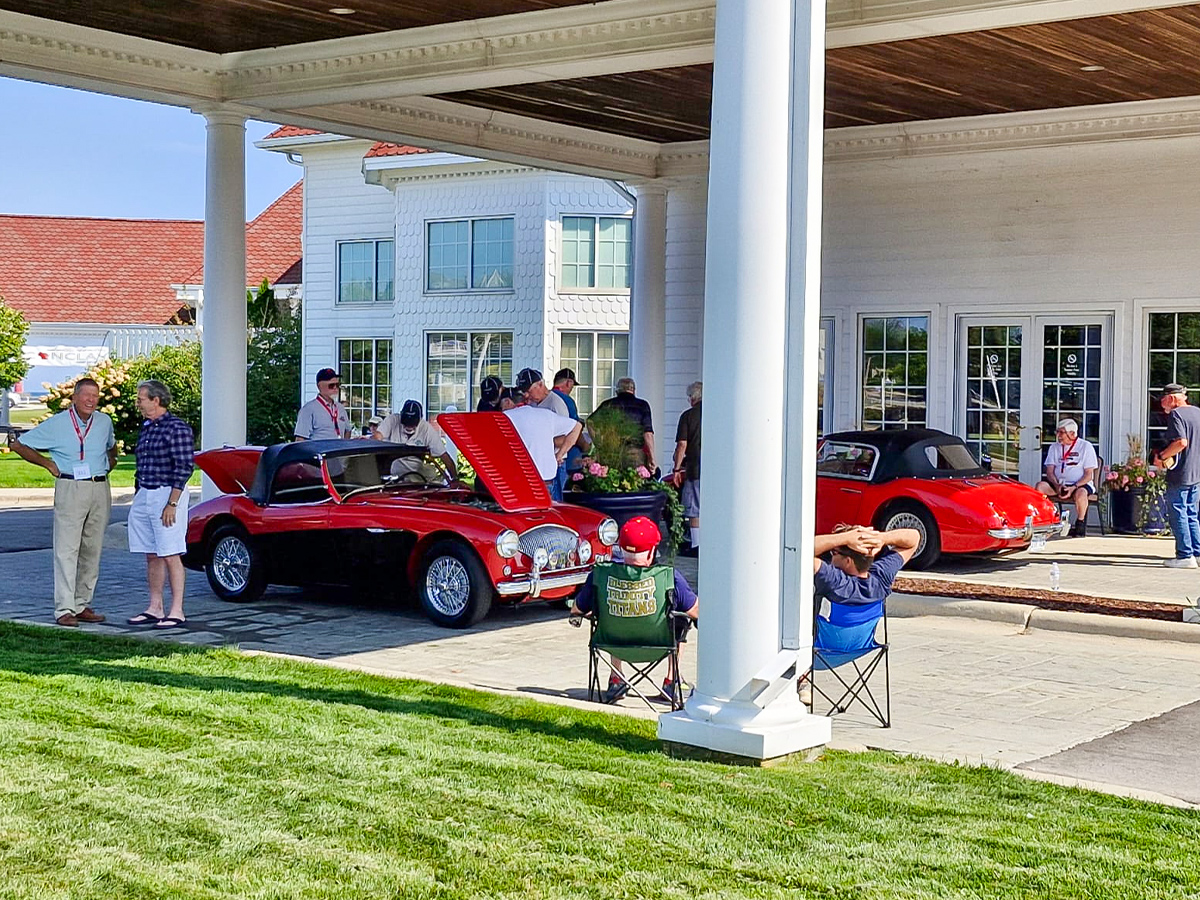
(43, 498)
(1026, 617)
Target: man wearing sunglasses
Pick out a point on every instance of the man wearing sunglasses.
(323, 418)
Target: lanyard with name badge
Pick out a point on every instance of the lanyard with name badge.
(82, 470)
(332, 410)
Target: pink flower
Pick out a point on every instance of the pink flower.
(643, 471)
(1135, 462)
(601, 470)
(594, 468)
(577, 476)
(1112, 476)
(1140, 479)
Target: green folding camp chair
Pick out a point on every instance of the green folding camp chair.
(633, 621)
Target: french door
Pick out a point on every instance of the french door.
(1018, 375)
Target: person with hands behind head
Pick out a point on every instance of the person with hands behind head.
(863, 562)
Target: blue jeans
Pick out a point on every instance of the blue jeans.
(560, 484)
(1183, 511)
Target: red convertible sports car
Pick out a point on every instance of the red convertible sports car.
(927, 480)
(333, 513)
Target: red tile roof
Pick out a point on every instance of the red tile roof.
(120, 271)
(382, 149)
(286, 131)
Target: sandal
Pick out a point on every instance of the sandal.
(144, 618)
(168, 622)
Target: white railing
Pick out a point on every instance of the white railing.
(139, 340)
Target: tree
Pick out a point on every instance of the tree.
(272, 367)
(13, 331)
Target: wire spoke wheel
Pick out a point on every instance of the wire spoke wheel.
(231, 563)
(448, 585)
(911, 520)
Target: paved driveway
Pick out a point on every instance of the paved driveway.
(977, 691)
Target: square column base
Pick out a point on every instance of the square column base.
(758, 745)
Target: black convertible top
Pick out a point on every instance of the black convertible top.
(902, 452)
(278, 455)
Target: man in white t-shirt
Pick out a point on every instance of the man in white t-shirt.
(1070, 473)
(547, 436)
(411, 429)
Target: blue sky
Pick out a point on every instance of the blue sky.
(73, 153)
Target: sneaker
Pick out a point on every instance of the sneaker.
(667, 694)
(804, 689)
(1188, 562)
(617, 688)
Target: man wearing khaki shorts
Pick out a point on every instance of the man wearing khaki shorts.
(82, 451)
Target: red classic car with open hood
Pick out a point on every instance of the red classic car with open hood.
(928, 480)
(332, 513)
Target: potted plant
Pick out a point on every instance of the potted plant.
(1136, 492)
(615, 481)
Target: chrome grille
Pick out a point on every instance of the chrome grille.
(562, 544)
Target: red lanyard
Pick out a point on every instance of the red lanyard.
(332, 410)
(80, 434)
(1062, 465)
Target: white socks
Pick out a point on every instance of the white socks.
(695, 536)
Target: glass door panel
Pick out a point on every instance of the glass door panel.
(993, 395)
(1072, 367)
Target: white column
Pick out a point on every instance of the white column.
(223, 417)
(648, 307)
(745, 702)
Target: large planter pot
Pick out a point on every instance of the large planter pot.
(1127, 510)
(623, 507)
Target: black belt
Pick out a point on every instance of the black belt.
(66, 477)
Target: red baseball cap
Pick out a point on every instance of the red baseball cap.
(638, 535)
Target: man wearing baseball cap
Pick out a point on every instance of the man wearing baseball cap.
(411, 429)
(1183, 476)
(1070, 472)
(323, 418)
(639, 539)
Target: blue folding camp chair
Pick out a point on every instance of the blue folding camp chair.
(848, 635)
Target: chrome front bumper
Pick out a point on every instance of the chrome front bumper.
(536, 583)
(1029, 531)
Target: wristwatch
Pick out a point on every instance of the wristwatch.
(172, 503)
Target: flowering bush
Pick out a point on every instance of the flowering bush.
(1135, 472)
(611, 468)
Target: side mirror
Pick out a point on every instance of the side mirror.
(986, 462)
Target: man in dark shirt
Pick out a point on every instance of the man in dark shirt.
(686, 472)
(1183, 476)
(863, 563)
(637, 410)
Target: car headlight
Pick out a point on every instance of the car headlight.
(585, 551)
(608, 532)
(540, 557)
(508, 543)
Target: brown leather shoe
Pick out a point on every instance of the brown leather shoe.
(87, 614)
(67, 621)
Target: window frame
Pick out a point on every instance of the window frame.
(861, 352)
(469, 288)
(337, 275)
(1151, 389)
(472, 383)
(595, 219)
(347, 384)
(850, 445)
(594, 334)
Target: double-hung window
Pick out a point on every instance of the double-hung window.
(455, 363)
(365, 365)
(895, 360)
(469, 255)
(599, 359)
(365, 271)
(597, 252)
(1173, 356)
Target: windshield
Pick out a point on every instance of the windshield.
(951, 458)
(369, 470)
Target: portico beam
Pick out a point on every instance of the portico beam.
(745, 704)
(648, 305)
(223, 316)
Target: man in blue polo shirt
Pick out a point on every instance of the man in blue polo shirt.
(82, 451)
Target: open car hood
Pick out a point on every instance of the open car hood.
(496, 453)
(230, 468)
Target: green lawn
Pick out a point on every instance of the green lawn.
(16, 473)
(134, 769)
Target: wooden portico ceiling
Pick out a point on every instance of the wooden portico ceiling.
(1145, 55)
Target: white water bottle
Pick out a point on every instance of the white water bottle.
(1054, 576)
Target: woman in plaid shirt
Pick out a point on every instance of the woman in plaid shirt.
(158, 517)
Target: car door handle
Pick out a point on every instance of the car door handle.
(851, 491)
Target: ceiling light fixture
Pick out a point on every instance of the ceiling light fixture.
(1091, 68)
(343, 11)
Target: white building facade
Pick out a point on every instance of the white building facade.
(425, 272)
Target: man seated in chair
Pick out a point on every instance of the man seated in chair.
(862, 566)
(638, 540)
(1070, 472)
